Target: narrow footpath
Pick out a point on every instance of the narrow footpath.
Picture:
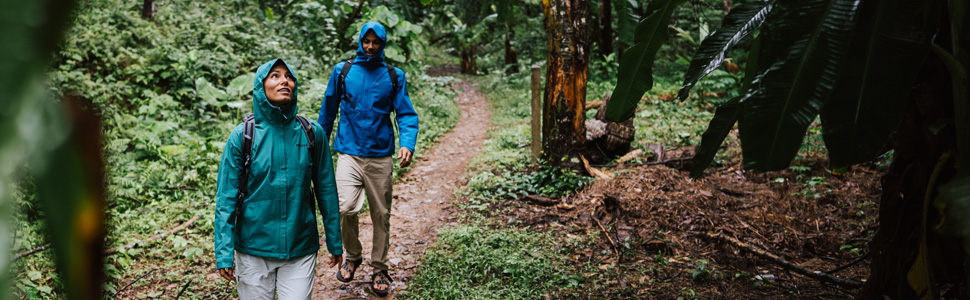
(420, 205)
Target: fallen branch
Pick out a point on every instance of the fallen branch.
(817, 275)
(179, 295)
(32, 251)
(154, 238)
(539, 200)
(607, 233)
(594, 171)
(132, 282)
(855, 261)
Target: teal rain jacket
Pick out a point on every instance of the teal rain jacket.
(278, 219)
(366, 129)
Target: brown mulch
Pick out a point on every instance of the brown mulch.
(655, 218)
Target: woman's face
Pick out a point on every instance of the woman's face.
(279, 85)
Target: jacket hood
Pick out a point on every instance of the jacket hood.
(264, 110)
(381, 34)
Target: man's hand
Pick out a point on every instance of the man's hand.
(404, 155)
(228, 273)
(334, 260)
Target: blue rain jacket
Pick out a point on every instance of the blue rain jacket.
(366, 129)
(278, 219)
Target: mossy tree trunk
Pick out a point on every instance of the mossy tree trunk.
(563, 115)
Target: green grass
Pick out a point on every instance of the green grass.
(476, 261)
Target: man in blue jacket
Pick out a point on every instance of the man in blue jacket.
(268, 241)
(366, 97)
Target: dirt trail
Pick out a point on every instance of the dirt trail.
(420, 203)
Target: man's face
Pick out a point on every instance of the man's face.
(279, 85)
(371, 44)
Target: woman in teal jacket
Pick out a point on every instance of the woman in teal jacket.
(275, 233)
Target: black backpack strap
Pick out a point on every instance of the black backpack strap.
(311, 141)
(391, 73)
(249, 131)
(342, 83)
(308, 129)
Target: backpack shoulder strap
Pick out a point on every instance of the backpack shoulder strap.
(341, 82)
(311, 141)
(392, 74)
(308, 129)
(242, 189)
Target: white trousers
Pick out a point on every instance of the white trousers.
(263, 277)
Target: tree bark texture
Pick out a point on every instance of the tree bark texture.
(468, 60)
(511, 57)
(148, 9)
(918, 149)
(606, 27)
(563, 129)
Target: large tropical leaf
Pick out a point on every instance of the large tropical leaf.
(803, 46)
(891, 40)
(960, 71)
(626, 21)
(737, 25)
(634, 76)
(725, 117)
(954, 196)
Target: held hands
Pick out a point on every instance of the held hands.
(404, 155)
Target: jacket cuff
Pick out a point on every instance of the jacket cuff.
(224, 263)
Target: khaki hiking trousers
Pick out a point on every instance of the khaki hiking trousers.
(360, 178)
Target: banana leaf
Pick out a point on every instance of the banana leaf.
(634, 76)
(725, 117)
(721, 124)
(626, 21)
(737, 25)
(891, 40)
(804, 44)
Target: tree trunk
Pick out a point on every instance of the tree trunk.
(563, 114)
(511, 57)
(342, 32)
(468, 60)
(895, 246)
(148, 9)
(606, 28)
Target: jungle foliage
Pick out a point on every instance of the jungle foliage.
(167, 91)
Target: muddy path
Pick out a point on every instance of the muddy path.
(420, 204)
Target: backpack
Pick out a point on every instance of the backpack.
(342, 87)
(249, 131)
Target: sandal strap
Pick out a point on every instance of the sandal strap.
(356, 263)
(381, 277)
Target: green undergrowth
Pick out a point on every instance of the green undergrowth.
(480, 261)
(487, 257)
(168, 92)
